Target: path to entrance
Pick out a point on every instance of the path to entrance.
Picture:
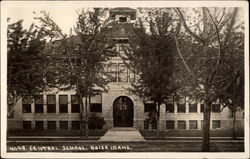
(122, 134)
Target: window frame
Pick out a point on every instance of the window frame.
(172, 122)
(39, 105)
(196, 124)
(63, 106)
(49, 106)
(185, 125)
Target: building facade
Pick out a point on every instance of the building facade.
(118, 106)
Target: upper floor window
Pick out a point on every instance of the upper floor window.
(170, 104)
(192, 107)
(149, 107)
(122, 19)
(181, 105)
(96, 103)
(39, 104)
(75, 104)
(51, 103)
(63, 103)
(26, 102)
(216, 108)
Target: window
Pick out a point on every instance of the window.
(216, 108)
(75, 125)
(170, 105)
(193, 107)
(51, 103)
(39, 104)
(131, 76)
(123, 73)
(27, 125)
(63, 103)
(202, 123)
(75, 104)
(63, 124)
(216, 124)
(113, 72)
(26, 102)
(39, 125)
(193, 124)
(122, 19)
(149, 107)
(170, 124)
(51, 124)
(181, 124)
(181, 105)
(202, 108)
(96, 103)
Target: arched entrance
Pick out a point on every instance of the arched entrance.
(123, 112)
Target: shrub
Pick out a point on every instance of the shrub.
(95, 122)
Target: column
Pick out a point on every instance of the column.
(69, 104)
(175, 124)
(33, 106)
(186, 103)
(198, 107)
(187, 124)
(57, 103)
(44, 104)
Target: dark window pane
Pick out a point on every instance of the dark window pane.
(181, 124)
(51, 124)
(63, 124)
(51, 104)
(39, 104)
(181, 105)
(170, 108)
(75, 125)
(192, 124)
(26, 101)
(201, 124)
(216, 124)
(149, 107)
(39, 125)
(202, 108)
(27, 125)
(170, 124)
(63, 103)
(216, 108)
(192, 108)
(96, 107)
(75, 106)
(154, 124)
(123, 19)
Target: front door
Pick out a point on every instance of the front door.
(123, 112)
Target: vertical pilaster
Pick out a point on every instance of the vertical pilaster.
(57, 103)
(69, 104)
(44, 104)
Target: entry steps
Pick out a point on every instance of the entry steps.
(122, 134)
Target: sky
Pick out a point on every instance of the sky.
(65, 15)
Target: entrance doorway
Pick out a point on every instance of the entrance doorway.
(123, 112)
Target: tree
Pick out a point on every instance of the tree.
(24, 55)
(81, 65)
(151, 55)
(203, 51)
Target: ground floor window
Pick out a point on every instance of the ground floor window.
(39, 125)
(63, 124)
(75, 125)
(170, 124)
(216, 124)
(51, 124)
(27, 125)
(63, 103)
(193, 124)
(181, 124)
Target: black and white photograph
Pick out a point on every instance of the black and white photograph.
(125, 79)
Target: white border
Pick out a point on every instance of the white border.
(6, 4)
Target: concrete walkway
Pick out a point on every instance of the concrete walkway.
(122, 134)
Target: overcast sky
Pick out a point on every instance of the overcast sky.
(64, 12)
